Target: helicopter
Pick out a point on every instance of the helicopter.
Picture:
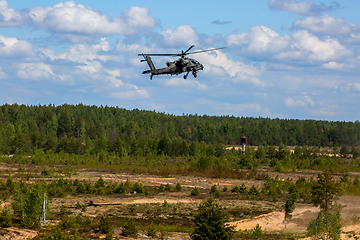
(182, 65)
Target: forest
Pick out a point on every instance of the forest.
(79, 128)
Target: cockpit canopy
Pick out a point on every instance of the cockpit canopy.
(194, 61)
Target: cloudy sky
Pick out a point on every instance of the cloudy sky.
(293, 59)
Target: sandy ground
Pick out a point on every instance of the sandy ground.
(273, 221)
(301, 217)
(18, 234)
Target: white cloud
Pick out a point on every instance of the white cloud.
(309, 100)
(302, 7)
(292, 103)
(216, 64)
(356, 86)
(2, 74)
(188, 83)
(183, 35)
(34, 71)
(9, 17)
(316, 50)
(301, 46)
(82, 53)
(69, 18)
(338, 66)
(130, 95)
(330, 110)
(225, 108)
(14, 48)
(259, 40)
(325, 24)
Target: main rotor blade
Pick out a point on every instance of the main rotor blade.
(179, 54)
(188, 49)
(158, 54)
(213, 49)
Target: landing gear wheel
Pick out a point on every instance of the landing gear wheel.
(195, 74)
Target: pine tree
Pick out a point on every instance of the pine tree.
(325, 191)
(210, 223)
(327, 225)
(289, 206)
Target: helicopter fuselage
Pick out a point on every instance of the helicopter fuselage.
(182, 65)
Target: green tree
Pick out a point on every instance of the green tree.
(33, 206)
(325, 191)
(18, 202)
(105, 225)
(178, 187)
(289, 206)
(5, 217)
(326, 225)
(130, 228)
(344, 151)
(211, 222)
(195, 192)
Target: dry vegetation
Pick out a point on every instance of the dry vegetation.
(170, 211)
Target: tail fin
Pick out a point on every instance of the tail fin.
(150, 63)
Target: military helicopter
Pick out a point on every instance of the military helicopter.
(182, 65)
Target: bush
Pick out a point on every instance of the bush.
(168, 187)
(178, 187)
(130, 228)
(210, 222)
(138, 187)
(195, 192)
(215, 191)
(152, 231)
(105, 224)
(5, 217)
(235, 189)
(326, 225)
(253, 190)
(63, 210)
(100, 183)
(257, 232)
(161, 188)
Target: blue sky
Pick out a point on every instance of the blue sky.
(293, 59)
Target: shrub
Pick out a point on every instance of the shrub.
(161, 188)
(195, 192)
(257, 232)
(210, 222)
(235, 189)
(253, 190)
(5, 217)
(215, 191)
(152, 231)
(225, 188)
(178, 187)
(242, 188)
(63, 210)
(138, 187)
(105, 224)
(77, 205)
(130, 228)
(168, 187)
(132, 207)
(100, 183)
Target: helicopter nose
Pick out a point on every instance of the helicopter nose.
(202, 67)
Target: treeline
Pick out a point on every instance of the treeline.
(138, 132)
